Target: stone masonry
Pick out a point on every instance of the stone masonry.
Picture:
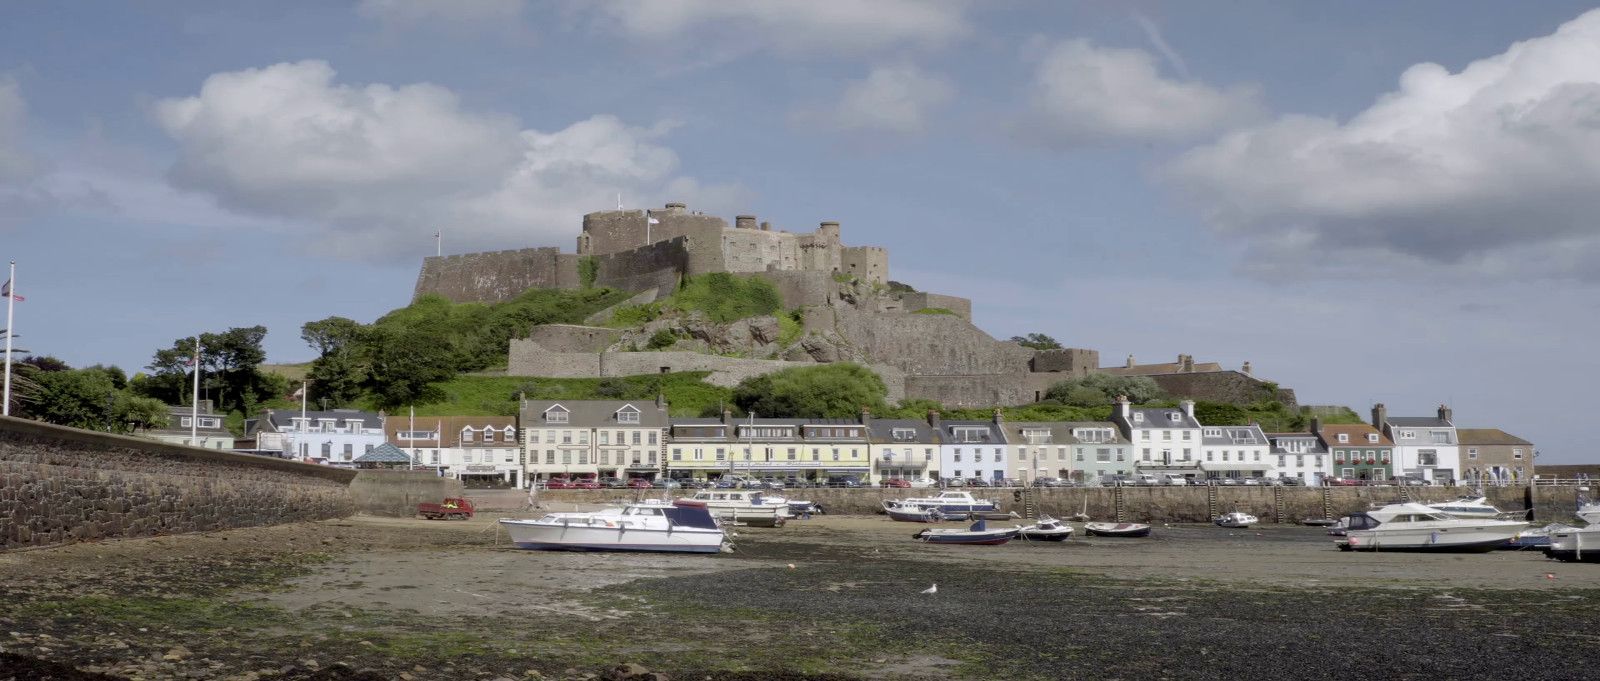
(61, 485)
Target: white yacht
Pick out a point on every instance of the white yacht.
(1467, 507)
(682, 527)
(1415, 527)
(946, 502)
(748, 507)
(1578, 544)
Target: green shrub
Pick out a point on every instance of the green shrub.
(588, 269)
(935, 310)
(724, 297)
(661, 340)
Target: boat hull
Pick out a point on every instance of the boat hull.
(1047, 535)
(1465, 539)
(1575, 546)
(965, 537)
(1116, 530)
(915, 516)
(538, 536)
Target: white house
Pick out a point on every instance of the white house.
(1235, 451)
(335, 436)
(1426, 447)
(1300, 455)
(971, 449)
(1165, 441)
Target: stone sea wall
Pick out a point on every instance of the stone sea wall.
(61, 485)
(397, 493)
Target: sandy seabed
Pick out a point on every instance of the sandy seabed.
(401, 598)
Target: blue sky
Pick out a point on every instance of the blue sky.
(1367, 205)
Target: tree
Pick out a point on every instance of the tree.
(836, 390)
(338, 372)
(142, 413)
(1106, 387)
(228, 362)
(45, 363)
(1037, 341)
(75, 398)
(405, 366)
(1220, 414)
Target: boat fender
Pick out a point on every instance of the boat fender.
(1016, 496)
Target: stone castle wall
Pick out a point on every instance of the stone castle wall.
(396, 493)
(1223, 386)
(869, 263)
(978, 391)
(497, 275)
(660, 266)
(929, 344)
(920, 300)
(61, 485)
(572, 338)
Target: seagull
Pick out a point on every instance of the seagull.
(931, 590)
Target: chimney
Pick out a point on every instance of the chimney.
(1316, 425)
(661, 400)
(205, 406)
(1247, 370)
(1444, 414)
(676, 209)
(1188, 407)
(744, 222)
(727, 417)
(933, 418)
(998, 417)
(1185, 364)
(1380, 416)
(1122, 409)
(866, 419)
(1130, 361)
(766, 226)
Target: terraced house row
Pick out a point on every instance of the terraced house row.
(627, 439)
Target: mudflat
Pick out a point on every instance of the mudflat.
(400, 598)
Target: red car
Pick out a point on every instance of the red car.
(1344, 482)
(560, 483)
(640, 483)
(896, 483)
(587, 483)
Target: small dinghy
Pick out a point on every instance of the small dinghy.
(1047, 529)
(978, 534)
(915, 514)
(1116, 529)
(1236, 520)
(1319, 522)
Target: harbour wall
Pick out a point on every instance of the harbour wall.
(1139, 504)
(62, 485)
(397, 493)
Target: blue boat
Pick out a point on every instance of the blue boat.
(977, 534)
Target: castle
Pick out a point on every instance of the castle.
(848, 313)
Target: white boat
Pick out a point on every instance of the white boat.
(1467, 507)
(1236, 519)
(1047, 529)
(949, 502)
(682, 527)
(1415, 527)
(1589, 512)
(1580, 545)
(748, 507)
(1116, 529)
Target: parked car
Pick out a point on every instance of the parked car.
(1343, 482)
(559, 483)
(978, 482)
(587, 483)
(1048, 482)
(1174, 480)
(897, 484)
(1116, 480)
(1145, 480)
(844, 481)
(1287, 481)
(640, 483)
(1250, 481)
(668, 483)
(1224, 481)
(952, 482)
(773, 483)
(923, 483)
(795, 482)
(612, 482)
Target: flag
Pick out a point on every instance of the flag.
(436, 234)
(195, 359)
(5, 292)
(653, 221)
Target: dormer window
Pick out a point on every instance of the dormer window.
(1213, 432)
(556, 414)
(1372, 437)
(488, 435)
(905, 434)
(1174, 417)
(628, 414)
(1344, 438)
(466, 434)
(1138, 418)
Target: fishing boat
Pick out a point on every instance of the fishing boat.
(1319, 522)
(947, 502)
(915, 514)
(1047, 529)
(978, 534)
(1116, 529)
(685, 526)
(1236, 520)
(1467, 507)
(745, 507)
(1415, 527)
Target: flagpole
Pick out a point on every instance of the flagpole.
(194, 411)
(411, 435)
(11, 304)
(438, 243)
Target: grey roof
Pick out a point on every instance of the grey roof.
(996, 435)
(1060, 431)
(1157, 417)
(695, 421)
(1235, 435)
(882, 431)
(384, 453)
(594, 413)
(284, 418)
(1316, 445)
(1419, 422)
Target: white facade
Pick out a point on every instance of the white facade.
(1300, 455)
(327, 439)
(1164, 439)
(972, 449)
(1235, 451)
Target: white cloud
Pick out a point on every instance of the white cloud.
(792, 26)
(893, 99)
(1492, 170)
(369, 168)
(15, 165)
(449, 13)
(1084, 93)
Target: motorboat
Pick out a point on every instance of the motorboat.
(978, 533)
(1337, 529)
(1589, 512)
(746, 507)
(1416, 527)
(1535, 538)
(915, 514)
(685, 526)
(1467, 507)
(949, 502)
(1047, 529)
(799, 508)
(1580, 545)
(1236, 519)
(1116, 529)
(1319, 522)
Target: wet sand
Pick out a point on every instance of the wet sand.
(441, 599)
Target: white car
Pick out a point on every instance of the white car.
(923, 483)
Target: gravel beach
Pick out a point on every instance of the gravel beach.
(387, 598)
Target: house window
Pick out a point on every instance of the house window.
(1166, 436)
(1440, 437)
(1224, 455)
(1343, 438)
(605, 437)
(583, 458)
(1408, 434)
(1119, 453)
(815, 455)
(349, 449)
(1427, 457)
(186, 422)
(488, 436)
(566, 457)
(433, 456)
(793, 453)
(466, 435)
(1258, 456)
(957, 456)
(1319, 461)
(327, 449)
(1080, 454)
(1174, 417)
(1516, 454)
(1144, 435)
(549, 457)
(583, 437)
(1186, 435)
(722, 454)
(1146, 453)
(652, 437)
(699, 454)
(555, 416)
(1101, 455)
(677, 454)
(1372, 437)
(1213, 432)
(369, 449)
(533, 437)
(1283, 461)
(466, 456)
(927, 454)
(628, 416)
(636, 435)
(1138, 418)
(1186, 451)
(835, 453)
(566, 437)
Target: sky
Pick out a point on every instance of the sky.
(1370, 204)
